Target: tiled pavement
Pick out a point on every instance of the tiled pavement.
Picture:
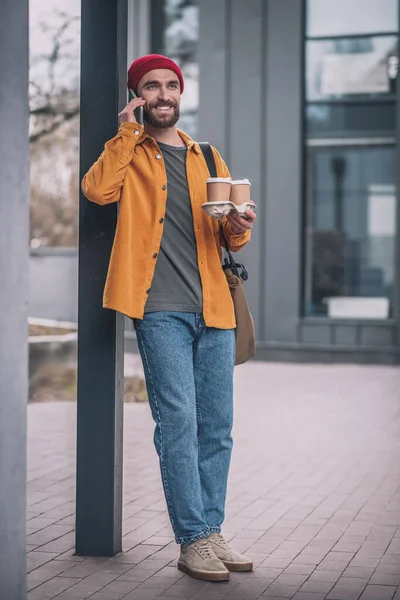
(314, 495)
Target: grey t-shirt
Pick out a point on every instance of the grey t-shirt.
(176, 285)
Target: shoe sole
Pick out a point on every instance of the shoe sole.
(204, 575)
(238, 567)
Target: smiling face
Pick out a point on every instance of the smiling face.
(161, 90)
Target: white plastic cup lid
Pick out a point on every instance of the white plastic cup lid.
(218, 180)
(241, 182)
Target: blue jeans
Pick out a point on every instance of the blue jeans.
(189, 377)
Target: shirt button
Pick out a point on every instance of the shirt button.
(136, 132)
(155, 255)
(162, 220)
(158, 156)
(164, 187)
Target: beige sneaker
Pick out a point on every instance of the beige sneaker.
(231, 559)
(198, 560)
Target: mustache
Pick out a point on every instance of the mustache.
(157, 104)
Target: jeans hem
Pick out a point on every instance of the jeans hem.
(187, 540)
(215, 529)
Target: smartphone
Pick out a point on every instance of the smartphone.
(138, 111)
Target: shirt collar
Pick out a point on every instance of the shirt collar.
(188, 141)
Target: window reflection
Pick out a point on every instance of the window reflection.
(351, 225)
(180, 42)
(326, 18)
(342, 68)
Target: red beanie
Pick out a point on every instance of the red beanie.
(144, 64)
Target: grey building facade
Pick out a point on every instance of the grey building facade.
(301, 97)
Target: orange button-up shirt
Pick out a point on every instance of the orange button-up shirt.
(131, 170)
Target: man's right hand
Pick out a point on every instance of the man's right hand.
(128, 114)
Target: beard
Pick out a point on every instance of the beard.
(150, 116)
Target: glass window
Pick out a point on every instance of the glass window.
(348, 67)
(356, 119)
(350, 226)
(351, 75)
(326, 18)
(179, 40)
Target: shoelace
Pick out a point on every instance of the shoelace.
(204, 548)
(221, 541)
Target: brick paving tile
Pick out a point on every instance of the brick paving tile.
(327, 576)
(79, 591)
(239, 590)
(394, 547)
(299, 569)
(364, 561)
(308, 596)
(333, 565)
(308, 559)
(344, 557)
(157, 583)
(100, 578)
(37, 524)
(70, 556)
(389, 559)
(285, 591)
(360, 572)
(291, 579)
(349, 543)
(86, 567)
(321, 587)
(390, 568)
(59, 545)
(314, 500)
(48, 534)
(260, 573)
(378, 592)
(171, 572)
(106, 595)
(397, 594)
(347, 588)
(372, 550)
(276, 561)
(50, 588)
(385, 579)
(137, 574)
(49, 570)
(37, 559)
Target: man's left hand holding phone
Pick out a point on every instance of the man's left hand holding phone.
(133, 111)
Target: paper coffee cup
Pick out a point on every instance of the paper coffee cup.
(240, 191)
(218, 189)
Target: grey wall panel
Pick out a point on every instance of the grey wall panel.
(283, 134)
(14, 241)
(344, 335)
(377, 335)
(53, 284)
(318, 354)
(138, 29)
(213, 77)
(245, 133)
(396, 307)
(315, 333)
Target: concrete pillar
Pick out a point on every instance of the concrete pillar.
(14, 243)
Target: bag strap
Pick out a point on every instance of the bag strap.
(237, 269)
(209, 156)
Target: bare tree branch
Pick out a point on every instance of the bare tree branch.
(67, 116)
(53, 100)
